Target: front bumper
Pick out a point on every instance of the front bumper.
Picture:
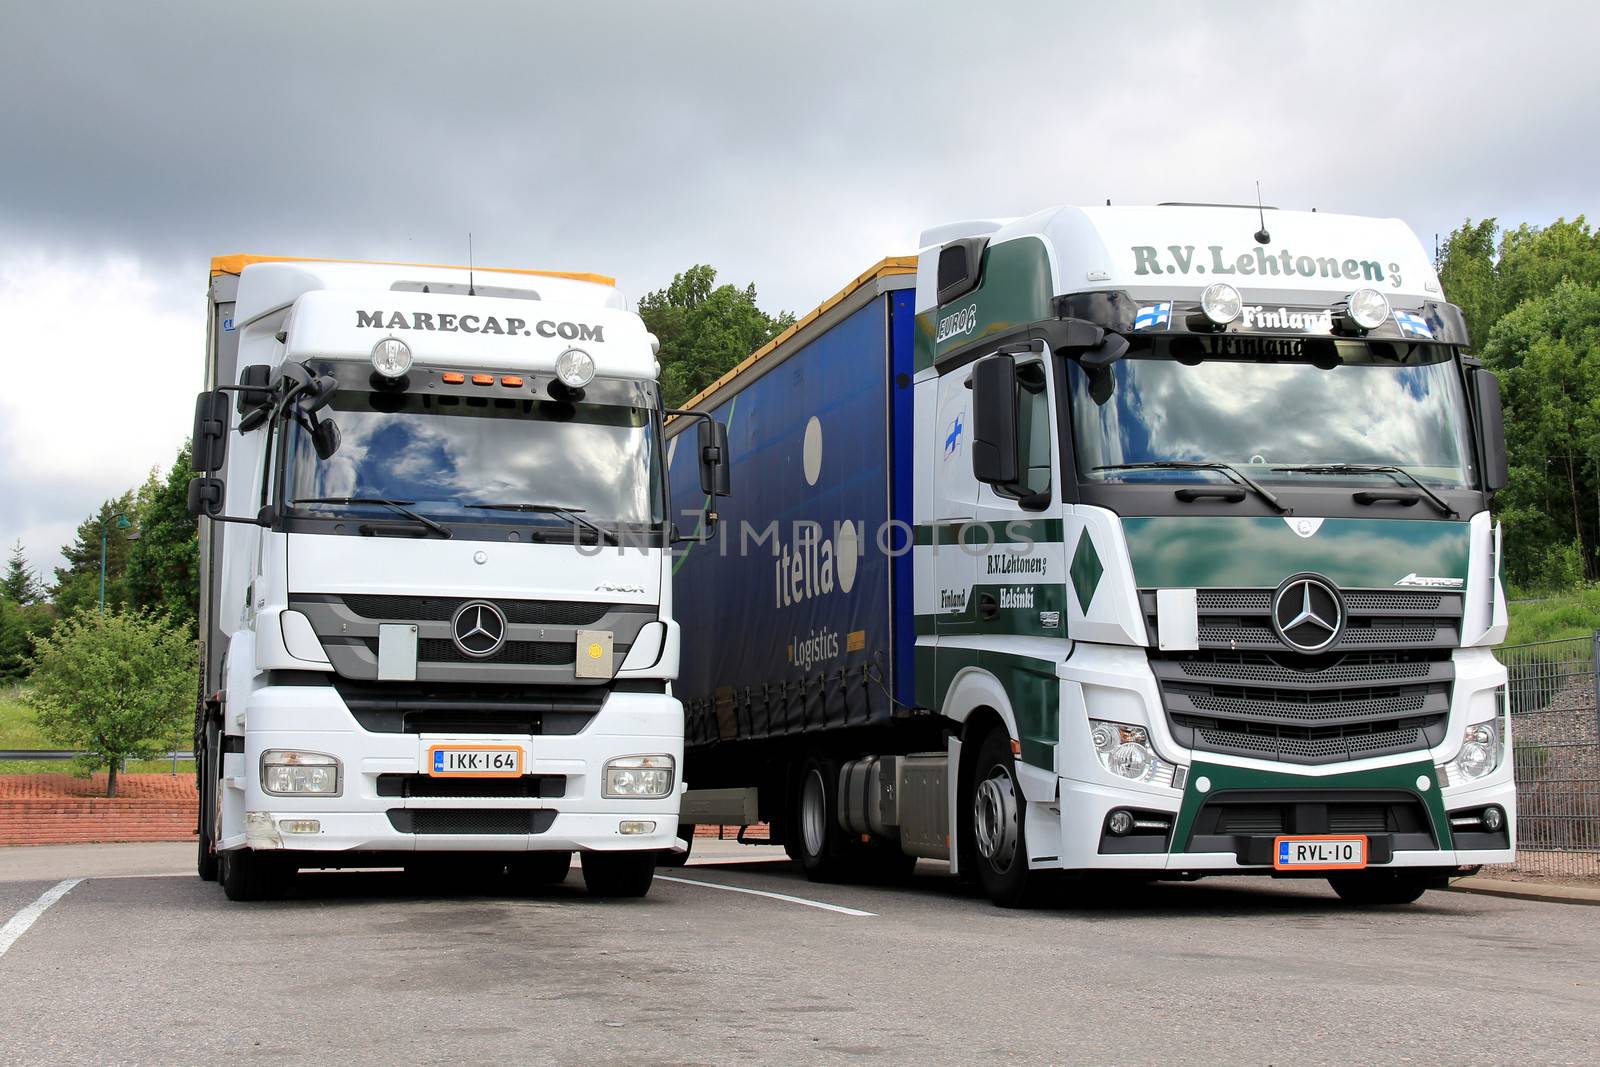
(570, 814)
(1084, 807)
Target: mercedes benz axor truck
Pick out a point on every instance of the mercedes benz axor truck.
(436, 622)
(1151, 540)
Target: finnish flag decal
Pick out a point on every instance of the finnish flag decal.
(1412, 324)
(1153, 316)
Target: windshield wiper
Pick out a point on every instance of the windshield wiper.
(1229, 470)
(572, 515)
(1399, 473)
(398, 506)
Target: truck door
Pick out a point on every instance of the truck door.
(999, 558)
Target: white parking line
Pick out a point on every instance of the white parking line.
(19, 923)
(786, 898)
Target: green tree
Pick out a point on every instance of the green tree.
(20, 585)
(77, 585)
(115, 685)
(164, 563)
(705, 329)
(1531, 297)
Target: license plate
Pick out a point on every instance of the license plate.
(1323, 852)
(474, 761)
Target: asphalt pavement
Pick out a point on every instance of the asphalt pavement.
(738, 959)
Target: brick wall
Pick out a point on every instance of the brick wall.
(58, 809)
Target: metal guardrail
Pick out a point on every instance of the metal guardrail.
(67, 753)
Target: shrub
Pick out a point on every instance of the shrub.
(116, 686)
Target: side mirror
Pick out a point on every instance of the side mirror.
(210, 443)
(205, 497)
(325, 438)
(994, 421)
(715, 475)
(1492, 430)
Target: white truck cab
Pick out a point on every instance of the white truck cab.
(436, 611)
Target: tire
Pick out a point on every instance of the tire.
(997, 825)
(668, 858)
(207, 773)
(1368, 889)
(618, 874)
(249, 875)
(814, 838)
(533, 869)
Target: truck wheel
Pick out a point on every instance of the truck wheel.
(1377, 888)
(618, 874)
(668, 858)
(998, 821)
(814, 837)
(540, 868)
(249, 875)
(206, 780)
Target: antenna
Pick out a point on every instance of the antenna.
(1262, 236)
(472, 290)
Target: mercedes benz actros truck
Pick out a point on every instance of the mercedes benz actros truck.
(1151, 540)
(436, 621)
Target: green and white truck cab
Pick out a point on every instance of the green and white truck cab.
(1202, 520)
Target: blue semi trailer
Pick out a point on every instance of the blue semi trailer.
(1109, 539)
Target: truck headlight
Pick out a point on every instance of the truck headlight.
(1125, 751)
(289, 773)
(638, 776)
(1483, 746)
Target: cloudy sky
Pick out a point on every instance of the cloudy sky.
(789, 144)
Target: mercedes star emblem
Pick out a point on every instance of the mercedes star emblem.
(1307, 613)
(478, 629)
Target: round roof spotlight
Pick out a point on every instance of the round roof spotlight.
(575, 368)
(1367, 309)
(391, 357)
(1221, 303)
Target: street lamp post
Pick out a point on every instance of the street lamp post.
(122, 524)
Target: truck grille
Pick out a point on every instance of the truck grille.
(1384, 687)
(442, 609)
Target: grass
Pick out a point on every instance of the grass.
(19, 730)
(1575, 613)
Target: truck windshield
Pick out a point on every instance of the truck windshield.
(1373, 407)
(446, 457)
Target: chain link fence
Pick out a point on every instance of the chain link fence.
(1555, 734)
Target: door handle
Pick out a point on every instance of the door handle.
(988, 605)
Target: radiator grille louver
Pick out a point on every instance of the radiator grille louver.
(1383, 687)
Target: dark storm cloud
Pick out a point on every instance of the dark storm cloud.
(792, 145)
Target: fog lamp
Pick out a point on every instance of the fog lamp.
(1120, 822)
(1367, 308)
(285, 772)
(575, 368)
(1493, 818)
(638, 776)
(391, 357)
(300, 826)
(634, 827)
(1221, 303)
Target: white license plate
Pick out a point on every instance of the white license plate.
(474, 761)
(1322, 852)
